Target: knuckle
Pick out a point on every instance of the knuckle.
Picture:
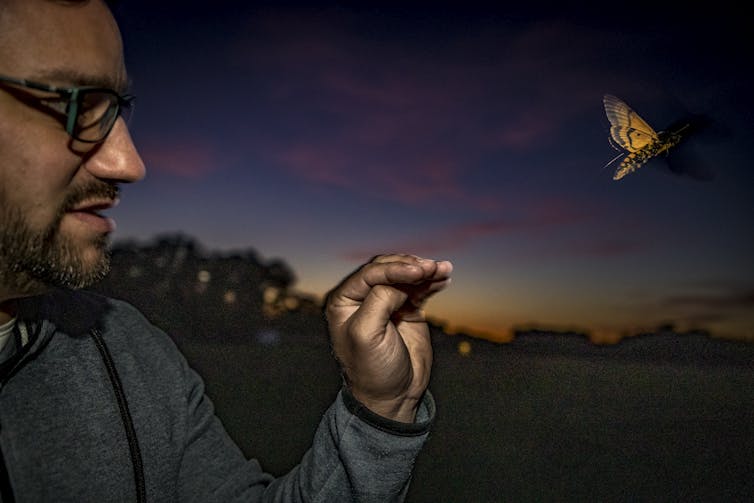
(382, 292)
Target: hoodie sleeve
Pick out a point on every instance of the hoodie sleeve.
(355, 455)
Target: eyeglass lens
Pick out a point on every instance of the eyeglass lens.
(97, 112)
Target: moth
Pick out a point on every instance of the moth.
(636, 139)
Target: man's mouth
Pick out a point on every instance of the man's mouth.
(89, 212)
(95, 205)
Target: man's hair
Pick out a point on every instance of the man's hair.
(110, 3)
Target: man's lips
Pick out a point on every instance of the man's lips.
(88, 212)
(94, 205)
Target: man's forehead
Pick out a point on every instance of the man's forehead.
(61, 43)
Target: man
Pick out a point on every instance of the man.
(96, 404)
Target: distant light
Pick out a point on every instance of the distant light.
(270, 294)
(229, 297)
(203, 276)
(464, 348)
(291, 303)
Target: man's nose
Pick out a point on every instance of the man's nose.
(116, 159)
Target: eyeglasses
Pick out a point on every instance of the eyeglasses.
(89, 112)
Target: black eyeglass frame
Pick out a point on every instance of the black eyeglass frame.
(74, 97)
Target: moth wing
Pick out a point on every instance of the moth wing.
(627, 128)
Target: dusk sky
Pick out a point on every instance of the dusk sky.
(325, 135)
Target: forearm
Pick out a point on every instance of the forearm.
(357, 456)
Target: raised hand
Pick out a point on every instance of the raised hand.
(379, 332)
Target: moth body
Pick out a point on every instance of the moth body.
(630, 134)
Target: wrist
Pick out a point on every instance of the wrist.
(401, 410)
(425, 415)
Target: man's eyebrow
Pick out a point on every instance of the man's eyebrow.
(63, 77)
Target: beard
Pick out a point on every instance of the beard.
(33, 260)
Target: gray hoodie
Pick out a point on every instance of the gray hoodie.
(100, 406)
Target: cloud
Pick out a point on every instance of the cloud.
(531, 220)
(183, 158)
(731, 299)
(523, 134)
(439, 242)
(729, 309)
(413, 179)
(410, 118)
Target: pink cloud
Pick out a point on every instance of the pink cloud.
(185, 159)
(331, 51)
(416, 179)
(523, 134)
(552, 210)
(439, 242)
(317, 163)
(523, 220)
(393, 120)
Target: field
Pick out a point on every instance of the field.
(526, 422)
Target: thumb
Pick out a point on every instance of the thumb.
(369, 322)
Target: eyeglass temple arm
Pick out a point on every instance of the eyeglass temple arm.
(73, 109)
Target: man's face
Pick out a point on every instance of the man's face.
(52, 187)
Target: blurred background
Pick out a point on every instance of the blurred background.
(596, 343)
(325, 133)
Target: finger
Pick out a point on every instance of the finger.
(432, 270)
(370, 320)
(395, 257)
(358, 285)
(419, 294)
(444, 268)
(435, 269)
(385, 301)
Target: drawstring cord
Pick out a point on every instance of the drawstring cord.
(128, 425)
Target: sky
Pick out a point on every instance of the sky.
(325, 133)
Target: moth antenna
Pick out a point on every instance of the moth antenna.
(614, 145)
(613, 160)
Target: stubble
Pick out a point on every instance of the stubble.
(33, 260)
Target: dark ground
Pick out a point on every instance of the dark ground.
(530, 421)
